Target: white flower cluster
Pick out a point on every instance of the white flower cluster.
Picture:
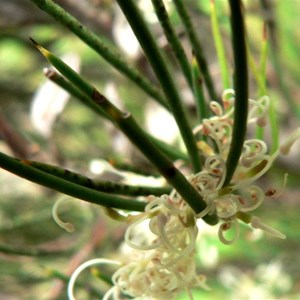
(166, 264)
(162, 262)
(241, 196)
(162, 266)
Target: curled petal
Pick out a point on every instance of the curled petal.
(204, 182)
(228, 97)
(165, 238)
(128, 274)
(225, 227)
(258, 110)
(112, 292)
(141, 245)
(223, 177)
(92, 262)
(254, 150)
(69, 227)
(185, 252)
(214, 165)
(209, 130)
(198, 129)
(256, 172)
(227, 206)
(216, 108)
(154, 205)
(273, 193)
(219, 129)
(170, 204)
(251, 199)
(147, 278)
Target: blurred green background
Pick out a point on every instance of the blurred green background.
(37, 256)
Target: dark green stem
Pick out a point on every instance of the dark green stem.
(22, 169)
(172, 38)
(240, 87)
(162, 72)
(197, 48)
(104, 50)
(99, 185)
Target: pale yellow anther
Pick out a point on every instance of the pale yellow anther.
(205, 148)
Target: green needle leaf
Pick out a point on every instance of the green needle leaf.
(240, 87)
(99, 185)
(23, 169)
(197, 47)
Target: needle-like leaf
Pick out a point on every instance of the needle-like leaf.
(240, 87)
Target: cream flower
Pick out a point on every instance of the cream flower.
(233, 202)
(166, 264)
(163, 265)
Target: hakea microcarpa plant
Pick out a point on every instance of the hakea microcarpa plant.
(162, 261)
(220, 188)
